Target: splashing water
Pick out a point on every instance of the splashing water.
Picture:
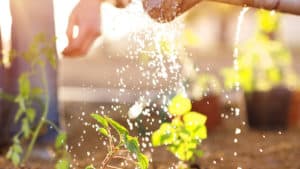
(237, 41)
(236, 68)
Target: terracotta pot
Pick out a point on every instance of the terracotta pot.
(209, 106)
(195, 166)
(268, 110)
(294, 110)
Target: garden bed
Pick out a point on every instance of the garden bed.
(255, 149)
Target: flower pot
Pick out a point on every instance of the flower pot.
(195, 166)
(268, 110)
(294, 110)
(209, 106)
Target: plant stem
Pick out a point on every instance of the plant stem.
(7, 96)
(53, 125)
(108, 157)
(125, 159)
(113, 167)
(43, 118)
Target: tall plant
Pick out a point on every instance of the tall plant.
(28, 95)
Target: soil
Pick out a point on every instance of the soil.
(254, 149)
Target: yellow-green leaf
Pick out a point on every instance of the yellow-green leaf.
(179, 105)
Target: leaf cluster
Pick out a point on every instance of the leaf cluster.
(184, 133)
(262, 62)
(125, 141)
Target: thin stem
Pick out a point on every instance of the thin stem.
(43, 118)
(111, 146)
(110, 166)
(7, 96)
(126, 159)
(53, 125)
(106, 160)
(108, 157)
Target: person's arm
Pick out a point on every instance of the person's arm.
(167, 10)
(287, 6)
(87, 17)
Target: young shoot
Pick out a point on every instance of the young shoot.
(121, 146)
(184, 133)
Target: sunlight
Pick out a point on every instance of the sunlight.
(5, 27)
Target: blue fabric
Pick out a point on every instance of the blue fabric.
(30, 17)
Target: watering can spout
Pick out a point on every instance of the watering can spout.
(167, 10)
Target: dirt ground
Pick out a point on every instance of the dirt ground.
(224, 149)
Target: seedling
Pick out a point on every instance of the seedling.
(184, 133)
(263, 62)
(29, 95)
(123, 146)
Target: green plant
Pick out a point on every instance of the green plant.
(124, 146)
(263, 62)
(184, 133)
(205, 84)
(26, 99)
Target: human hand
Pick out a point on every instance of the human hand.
(85, 15)
(119, 3)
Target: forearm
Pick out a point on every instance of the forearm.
(287, 6)
(167, 10)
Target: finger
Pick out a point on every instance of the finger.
(83, 50)
(70, 27)
(82, 43)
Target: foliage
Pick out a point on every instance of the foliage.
(263, 62)
(205, 84)
(268, 22)
(27, 97)
(118, 145)
(184, 133)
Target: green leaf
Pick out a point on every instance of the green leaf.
(16, 159)
(164, 135)
(118, 127)
(156, 136)
(143, 161)
(194, 119)
(37, 91)
(60, 140)
(100, 119)
(132, 144)
(17, 148)
(199, 153)
(103, 131)
(179, 105)
(62, 164)
(18, 115)
(25, 128)
(30, 113)
(24, 85)
(201, 133)
(90, 167)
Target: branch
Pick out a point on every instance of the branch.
(125, 159)
(110, 166)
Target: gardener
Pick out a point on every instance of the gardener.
(160, 10)
(29, 18)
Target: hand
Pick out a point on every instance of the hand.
(85, 15)
(121, 3)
